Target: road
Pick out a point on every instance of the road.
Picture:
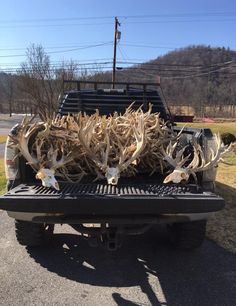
(145, 271)
(6, 123)
(3, 131)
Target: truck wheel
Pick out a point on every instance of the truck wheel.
(189, 235)
(32, 234)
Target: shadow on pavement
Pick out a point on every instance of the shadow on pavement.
(203, 277)
(228, 193)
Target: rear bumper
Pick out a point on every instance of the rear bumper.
(103, 200)
(59, 218)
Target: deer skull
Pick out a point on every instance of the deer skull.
(112, 174)
(47, 177)
(177, 176)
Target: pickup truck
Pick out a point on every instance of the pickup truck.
(104, 213)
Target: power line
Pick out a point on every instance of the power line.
(144, 64)
(63, 51)
(126, 69)
(182, 21)
(110, 23)
(177, 65)
(54, 25)
(163, 15)
(56, 47)
(145, 46)
(185, 14)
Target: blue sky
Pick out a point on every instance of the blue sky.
(58, 27)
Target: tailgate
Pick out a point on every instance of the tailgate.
(102, 199)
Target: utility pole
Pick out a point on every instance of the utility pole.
(116, 38)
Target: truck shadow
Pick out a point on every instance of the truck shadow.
(228, 193)
(204, 277)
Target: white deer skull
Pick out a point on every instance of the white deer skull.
(47, 177)
(112, 174)
(177, 176)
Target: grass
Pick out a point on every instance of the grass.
(221, 128)
(230, 157)
(3, 138)
(222, 227)
(2, 177)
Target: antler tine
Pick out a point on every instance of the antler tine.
(168, 157)
(53, 155)
(180, 160)
(22, 139)
(196, 152)
(139, 135)
(129, 108)
(106, 154)
(85, 136)
(39, 144)
(216, 155)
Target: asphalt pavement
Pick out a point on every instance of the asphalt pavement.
(145, 271)
(6, 123)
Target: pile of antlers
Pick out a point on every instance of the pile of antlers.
(71, 147)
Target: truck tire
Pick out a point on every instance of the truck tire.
(188, 235)
(32, 234)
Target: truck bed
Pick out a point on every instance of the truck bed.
(97, 198)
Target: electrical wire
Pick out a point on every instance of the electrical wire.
(144, 64)
(62, 51)
(56, 47)
(55, 25)
(162, 15)
(181, 21)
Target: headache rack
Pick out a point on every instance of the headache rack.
(87, 96)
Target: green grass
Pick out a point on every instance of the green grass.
(3, 138)
(230, 158)
(221, 128)
(222, 226)
(2, 177)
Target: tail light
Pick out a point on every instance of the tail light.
(11, 161)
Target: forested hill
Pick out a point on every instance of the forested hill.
(201, 77)
(193, 75)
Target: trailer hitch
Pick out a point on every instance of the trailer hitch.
(109, 236)
(112, 239)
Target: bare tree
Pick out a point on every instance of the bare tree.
(42, 82)
(8, 91)
(67, 71)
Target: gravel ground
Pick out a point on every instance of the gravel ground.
(145, 271)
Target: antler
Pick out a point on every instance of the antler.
(24, 132)
(86, 135)
(198, 162)
(139, 135)
(108, 139)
